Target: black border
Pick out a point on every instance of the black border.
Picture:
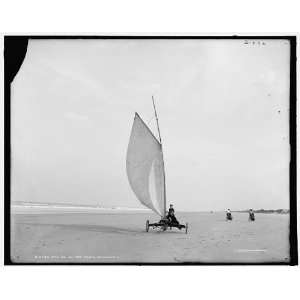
(15, 47)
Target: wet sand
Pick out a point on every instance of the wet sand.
(121, 237)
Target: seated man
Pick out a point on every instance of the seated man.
(171, 215)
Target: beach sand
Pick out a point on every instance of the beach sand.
(121, 237)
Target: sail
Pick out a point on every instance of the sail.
(145, 167)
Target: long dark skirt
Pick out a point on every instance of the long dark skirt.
(173, 219)
(229, 216)
(251, 217)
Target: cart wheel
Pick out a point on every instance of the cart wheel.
(147, 225)
(186, 228)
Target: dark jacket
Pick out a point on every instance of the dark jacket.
(171, 211)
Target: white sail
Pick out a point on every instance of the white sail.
(145, 167)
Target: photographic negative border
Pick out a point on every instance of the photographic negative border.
(15, 47)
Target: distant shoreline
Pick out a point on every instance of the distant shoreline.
(266, 211)
(77, 207)
(70, 205)
(36, 207)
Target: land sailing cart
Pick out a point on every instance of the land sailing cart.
(165, 224)
(146, 171)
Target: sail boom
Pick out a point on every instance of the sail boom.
(158, 129)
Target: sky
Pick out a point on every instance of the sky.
(223, 108)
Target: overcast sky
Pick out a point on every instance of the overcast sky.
(223, 107)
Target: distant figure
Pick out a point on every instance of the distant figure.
(228, 215)
(171, 215)
(251, 215)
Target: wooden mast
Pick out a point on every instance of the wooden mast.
(164, 215)
(156, 119)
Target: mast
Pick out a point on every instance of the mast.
(156, 119)
(164, 215)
